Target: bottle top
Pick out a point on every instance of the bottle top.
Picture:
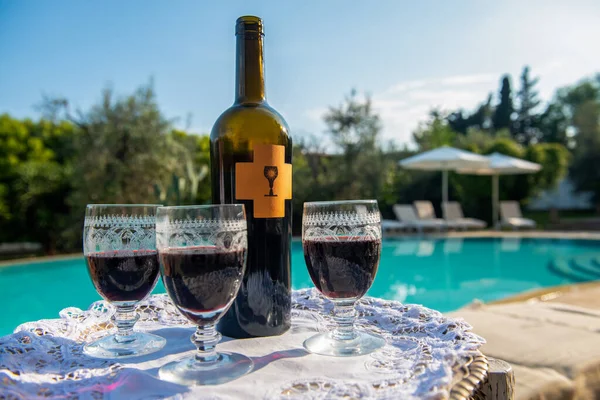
(249, 24)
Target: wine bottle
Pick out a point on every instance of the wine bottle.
(251, 159)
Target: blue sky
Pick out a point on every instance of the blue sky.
(410, 56)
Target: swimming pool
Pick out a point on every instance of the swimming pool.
(444, 274)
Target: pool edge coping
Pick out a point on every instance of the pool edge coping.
(30, 260)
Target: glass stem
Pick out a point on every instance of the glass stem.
(124, 319)
(343, 316)
(205, 339)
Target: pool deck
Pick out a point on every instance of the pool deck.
(551, 337)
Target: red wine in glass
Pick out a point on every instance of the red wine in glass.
(342, 269)
(124, 276)
(202, 281)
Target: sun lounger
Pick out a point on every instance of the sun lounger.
(453, 213)
(406, 213)
(510, 213)
(387, 225)
(425, 211)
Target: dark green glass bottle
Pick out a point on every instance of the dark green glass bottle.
(251, 158)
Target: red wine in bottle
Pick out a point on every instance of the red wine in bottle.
(251, 164)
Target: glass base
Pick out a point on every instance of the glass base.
(189, 371)
(363, 343)
(108, 347)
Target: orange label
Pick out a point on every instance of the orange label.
(267, 181)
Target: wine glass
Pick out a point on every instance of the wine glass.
(119, 245)
(202, 252)
(342, 246)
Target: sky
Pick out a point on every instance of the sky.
(408, 56)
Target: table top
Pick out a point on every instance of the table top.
(427, 356)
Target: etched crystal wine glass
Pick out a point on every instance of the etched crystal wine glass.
(119, 245)
(342, 246)
(202, 252)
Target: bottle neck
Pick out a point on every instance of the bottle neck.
(250, 73)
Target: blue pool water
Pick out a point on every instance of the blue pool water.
(444, 274)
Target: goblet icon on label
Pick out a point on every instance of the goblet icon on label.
(271, 173)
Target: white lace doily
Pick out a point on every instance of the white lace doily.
(44, 359)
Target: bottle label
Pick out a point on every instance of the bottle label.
(267, 181)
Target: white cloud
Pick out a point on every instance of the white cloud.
(469, 79)
(404, 105)
(559, 47)
(315, 114)
(404, 86)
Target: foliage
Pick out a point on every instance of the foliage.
(555, 161)
(189, 168)
(124, 150)
(585, 172)
(35, 170)
(526, 129)
(582, 104)
(474, 192)
(477, 141)
(353, 127)
(358, 167)
(553, 124)
(569, 121)
(502, 118)
(121, 150)
(434, 133)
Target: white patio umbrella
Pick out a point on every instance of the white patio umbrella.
(446, 159)
(500, 164)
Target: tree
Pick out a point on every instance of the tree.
(314, 175)
(481, 118)
(122, 150)
(434, 133)
(526, 130)
(582, 104)
(189, 167)
(585, 173)
(35, 165)
(457, 122)
(554, 123)
(477, 141)
(353, 126)
(360, 164)
(555, 164)
(502, 118)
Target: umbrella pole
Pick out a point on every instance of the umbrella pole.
(495, 200)
(444, 190)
